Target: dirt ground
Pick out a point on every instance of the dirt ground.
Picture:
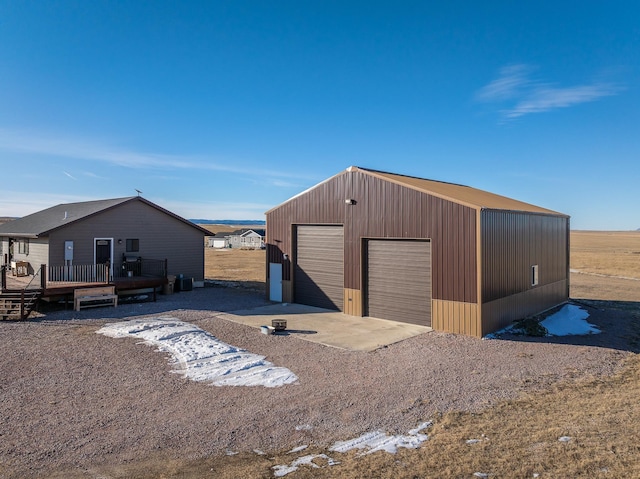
(74, 404)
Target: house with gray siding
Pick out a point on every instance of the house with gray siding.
(247, 239)
(117, 232)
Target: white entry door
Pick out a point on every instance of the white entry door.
(275, 282)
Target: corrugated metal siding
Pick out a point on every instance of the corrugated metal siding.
(319, 269)
(161, 236)
(456, 317)
(353, 302)
(502, 312)
(512, 243)
(384, 210)
(399, 281)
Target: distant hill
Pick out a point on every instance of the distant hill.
(228, 222)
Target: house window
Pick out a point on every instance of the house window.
(23, 246)
(534, 275)
(133, 245)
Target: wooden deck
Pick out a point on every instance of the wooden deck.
(55, 289)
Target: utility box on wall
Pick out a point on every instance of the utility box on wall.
(68, 250)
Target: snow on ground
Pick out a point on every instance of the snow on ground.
(371, 441)
(200, 356)
(283, 470)
(570, 320)
(379, 441)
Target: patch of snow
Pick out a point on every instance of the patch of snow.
(379, 441)
(472, 441)
(260, 452)
(297, 449)
(304, 427)
(564, 439)
(282, 470)
(421, 427)
(483, 475)
(201, 356)
(570, 320)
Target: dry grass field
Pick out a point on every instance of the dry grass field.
(608, 253)
(246, 268)
(517, 438)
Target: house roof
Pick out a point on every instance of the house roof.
(246, 231)
(45, 221)
(461, 194)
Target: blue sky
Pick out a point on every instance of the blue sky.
(224, 109)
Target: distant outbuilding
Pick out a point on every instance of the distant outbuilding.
(443, 255)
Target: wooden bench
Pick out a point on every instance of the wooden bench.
(92, 297)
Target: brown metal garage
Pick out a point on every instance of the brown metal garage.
(372, 243)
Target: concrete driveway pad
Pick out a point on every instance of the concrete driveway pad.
(328, 327)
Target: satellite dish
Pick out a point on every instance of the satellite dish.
(139, 192)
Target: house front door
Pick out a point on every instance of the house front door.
(103, 255)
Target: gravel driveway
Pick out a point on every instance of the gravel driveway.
(72, 398)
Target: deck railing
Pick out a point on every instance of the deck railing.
(37, 280)
(79, 273)
(148, 268)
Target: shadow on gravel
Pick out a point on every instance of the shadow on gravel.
(207, 300)
(618, 321)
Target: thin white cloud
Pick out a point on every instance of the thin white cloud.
(522, 95)
(70, 175)
(510, 82)
(37, 143)
(548, 98)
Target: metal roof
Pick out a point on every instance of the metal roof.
(45, 221)
(460, 194)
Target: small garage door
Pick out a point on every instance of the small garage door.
(399, 280)
(319, 271)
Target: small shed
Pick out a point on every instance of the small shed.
(443, 255)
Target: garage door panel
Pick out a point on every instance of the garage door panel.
(319, 271)
(399, 280)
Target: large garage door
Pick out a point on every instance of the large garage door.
(399, 280)
(319, 272)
